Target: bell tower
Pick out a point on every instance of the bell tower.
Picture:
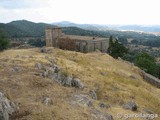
(52, 36)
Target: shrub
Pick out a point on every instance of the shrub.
(146, 62)
(4, 43)
(116, 49)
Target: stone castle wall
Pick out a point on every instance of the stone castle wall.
(55, 38)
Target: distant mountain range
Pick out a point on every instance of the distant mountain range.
(83, 26)
(24, 28)
(144, 28)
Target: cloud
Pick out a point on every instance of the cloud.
(23, 4)
(82, 11)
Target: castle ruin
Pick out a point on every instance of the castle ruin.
(55, 38)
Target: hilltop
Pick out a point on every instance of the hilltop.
(101, 88)
(24, 28)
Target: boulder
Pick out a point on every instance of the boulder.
(80, 99)
(77, 83)
(131, 105)
(98, 115)
(45, 74)
(148, 111)
(56, 68)
(39, 65)
(68, 81)
(44, 50)
(47, 101)
(103, 105)
(56, 74)
(7, 107)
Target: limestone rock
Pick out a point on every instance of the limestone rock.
(148, 111)
(54, 72)
(45, 74)
(7, 107)
(77, 83)
(56, 68)
(39, 65)
(103, 105)
(98, 115)
(93, 94)
(131, 105)
(47, 101)
(15, 69)
(44, 50)
(68, 81)
(81, 99)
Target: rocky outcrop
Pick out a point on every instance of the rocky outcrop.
(81, 99)
(103, 105)
(84, 100)
(7, 107)
(151, 79)
(54, 72)
(131, 105)
(47, 101)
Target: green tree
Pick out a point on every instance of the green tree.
(4, 43)
(158, 71)
(146, 63)
(116, 49)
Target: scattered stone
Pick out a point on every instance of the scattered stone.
(47, 101)
(80, 99)
(56, 74)
(98, 115)
(39, 65)
(131, 105)
(90, 104)
(7, 107)
(44, 50)
(77, 83)
(93, 94)
(148, 111)
(103, 105)
(45, 74)
(68, 81)
(56, 68)
(15, 69)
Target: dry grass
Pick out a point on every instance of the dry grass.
(110, 78)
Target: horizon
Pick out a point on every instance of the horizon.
(102, 12)
(148, 25)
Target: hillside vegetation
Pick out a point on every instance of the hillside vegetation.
(24, 28)
(115, 82)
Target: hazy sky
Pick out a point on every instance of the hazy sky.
(82, 11)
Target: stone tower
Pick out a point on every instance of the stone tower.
(52, 36)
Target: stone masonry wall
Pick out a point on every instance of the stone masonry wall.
(54, 39)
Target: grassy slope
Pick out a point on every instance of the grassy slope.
(111, 79)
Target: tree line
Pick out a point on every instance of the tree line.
(143, 60)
